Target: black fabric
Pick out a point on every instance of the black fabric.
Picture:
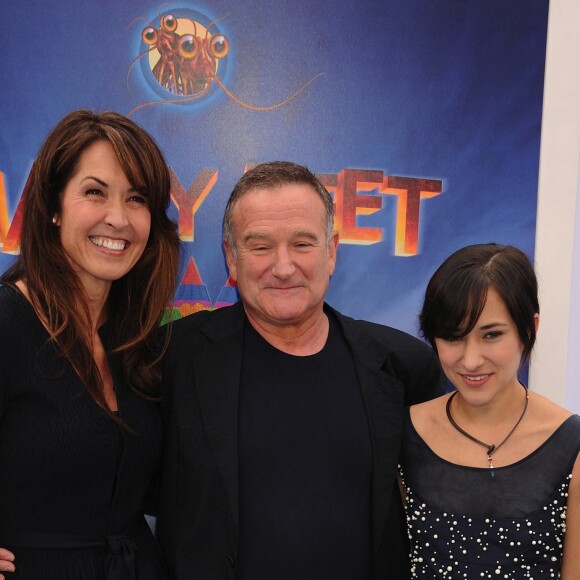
(198, 520)
(66, 468)
(476, 523)
(475, 493)
(305, 465)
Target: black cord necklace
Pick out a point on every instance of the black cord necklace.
(491, 449)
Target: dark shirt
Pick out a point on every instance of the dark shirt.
(505, 522)
(69, 476)
(305, 465)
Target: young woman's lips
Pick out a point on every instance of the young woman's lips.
(476, 380)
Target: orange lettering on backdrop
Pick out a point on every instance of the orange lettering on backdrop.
(409, 190)
(347, 201)
(9, 233)
(4, 222)
(349, 204)
(188, 202)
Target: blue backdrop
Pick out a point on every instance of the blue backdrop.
(447, 91)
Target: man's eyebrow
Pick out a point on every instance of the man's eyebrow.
(305, 234)
(255, 236)
(265, 236)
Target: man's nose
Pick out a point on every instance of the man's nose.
(283, 263)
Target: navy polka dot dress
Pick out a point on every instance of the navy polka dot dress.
(480, 523)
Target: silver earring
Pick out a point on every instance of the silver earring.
(54, 219)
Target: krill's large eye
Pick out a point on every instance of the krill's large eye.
(169, 23)
(149, 35)
(219, 46)
(188, 46)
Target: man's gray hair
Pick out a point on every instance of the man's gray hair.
(272, 175)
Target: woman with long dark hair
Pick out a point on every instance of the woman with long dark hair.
(80, 347)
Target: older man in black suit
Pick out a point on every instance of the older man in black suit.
(284, 417)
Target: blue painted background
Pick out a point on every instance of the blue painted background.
(438, 89)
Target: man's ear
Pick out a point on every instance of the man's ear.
(332, 249)
(231, 261)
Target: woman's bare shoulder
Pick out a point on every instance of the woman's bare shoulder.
(547, 413)
(429, 413)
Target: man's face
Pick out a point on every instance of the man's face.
(282, 262)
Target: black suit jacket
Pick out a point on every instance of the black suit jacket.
(197, 523)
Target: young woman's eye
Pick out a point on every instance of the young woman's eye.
(493, 335)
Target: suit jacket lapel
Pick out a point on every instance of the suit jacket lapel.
(383, 398)
(218, 370)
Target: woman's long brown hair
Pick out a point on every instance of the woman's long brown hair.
(136, 301)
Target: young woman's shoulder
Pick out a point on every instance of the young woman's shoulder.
(546, 413)
(544, 420)
(430, 413)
